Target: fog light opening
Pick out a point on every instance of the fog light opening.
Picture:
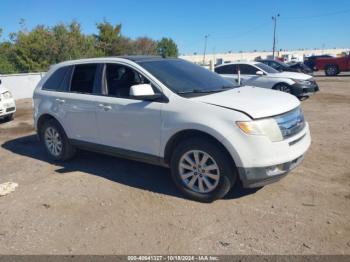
(275, 170)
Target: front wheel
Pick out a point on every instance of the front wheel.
(201, 170)
(283, 87)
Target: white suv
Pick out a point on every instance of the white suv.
(261, 75)
(7, 104)
(170, 112)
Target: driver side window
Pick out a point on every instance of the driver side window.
(247, 69)
(119, 79)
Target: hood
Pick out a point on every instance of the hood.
(292, 75)
(255, 101)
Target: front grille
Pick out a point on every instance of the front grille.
(291, 123)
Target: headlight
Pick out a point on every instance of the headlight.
(7, 95)
(303, 82)
(264, 127)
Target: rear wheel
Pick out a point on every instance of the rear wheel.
(283, 87)
(56, 142)
(201, 170)
(331, 70)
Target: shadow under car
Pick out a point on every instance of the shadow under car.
(131, 173)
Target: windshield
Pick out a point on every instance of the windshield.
(183, 77)
(281, 63)
(266, 68)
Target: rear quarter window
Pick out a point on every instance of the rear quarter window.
(58, 79)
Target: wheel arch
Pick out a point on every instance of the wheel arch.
(280, 83)
(328, 65)
(187, 134)
(44, 118)
(331, 64)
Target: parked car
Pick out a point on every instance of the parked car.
(333, 65)
(280, 66)
(310, 61)
(7, 104)
(301, 67)
(171, 112)
(261, 75)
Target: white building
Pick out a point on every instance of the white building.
(227, 57)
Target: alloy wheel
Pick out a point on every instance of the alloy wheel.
(284, 88)
(53, 141)
(199, 171)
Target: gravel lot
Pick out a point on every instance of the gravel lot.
(98, 204)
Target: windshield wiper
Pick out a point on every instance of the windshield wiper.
(199, 91)
(227, 87)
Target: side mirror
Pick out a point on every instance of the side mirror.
(143, 92)
(259, 73)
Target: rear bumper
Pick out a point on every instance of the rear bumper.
(304, 90)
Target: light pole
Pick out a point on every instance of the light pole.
(274, 18)
(205, 47)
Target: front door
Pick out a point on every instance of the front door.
(250, 78)
(123, 122)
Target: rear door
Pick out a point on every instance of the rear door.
(78, 106)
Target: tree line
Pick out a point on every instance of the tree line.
(37, 49)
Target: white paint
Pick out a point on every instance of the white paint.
(21, 85)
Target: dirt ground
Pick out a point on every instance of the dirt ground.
(98, 204)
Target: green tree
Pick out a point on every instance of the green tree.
(144, 46)
(33, 51)
(6, 65)
(38, 48)
(108, 39)
(71, 43)
(167, 48)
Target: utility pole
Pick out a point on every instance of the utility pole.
(205, 47)
(274, 18)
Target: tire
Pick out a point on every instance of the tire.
(283, 88)
(52, 131)
(9, 118)
(331, 70)
(225, 176)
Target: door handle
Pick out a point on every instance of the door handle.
(60, 101)
(105, 107)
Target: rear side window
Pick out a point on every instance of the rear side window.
(227, 69)
(57, 81)
(83, 79)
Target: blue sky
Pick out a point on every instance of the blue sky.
(231, 24)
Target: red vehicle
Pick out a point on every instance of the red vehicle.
(333, 65)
